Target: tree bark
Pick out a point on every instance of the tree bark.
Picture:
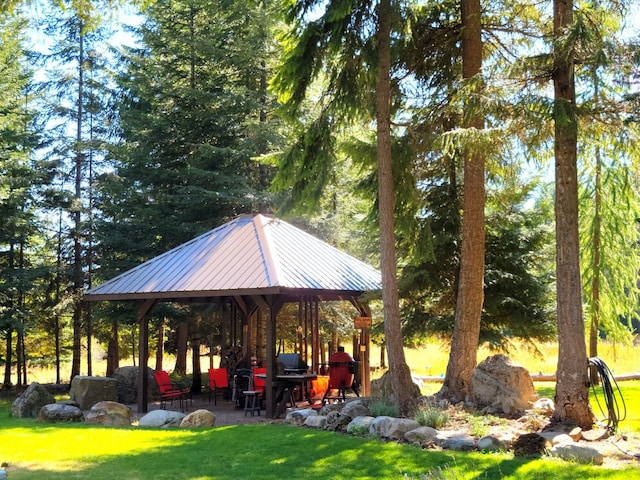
(470, 295)
(398, 368)
(181, 348)
(595, 283)
(77, 218)
(572, 391)
(8, 358)
(160, 346)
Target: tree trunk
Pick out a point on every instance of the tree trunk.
(470, 296)
(8, 358)
(572, 391)
(113, 350)
(595, 283)
(77, 219)
(196, 384)
(160, 346)
(181, 348)
(399, 370)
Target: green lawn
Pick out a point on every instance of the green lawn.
(78, 451)
(628, 400)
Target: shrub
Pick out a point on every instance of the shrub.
(431, 416)
(379, 407)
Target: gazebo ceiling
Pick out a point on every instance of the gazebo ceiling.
(250, 255)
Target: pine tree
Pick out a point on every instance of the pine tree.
(194, 115)
(20, 180)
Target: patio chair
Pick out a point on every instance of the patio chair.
(259, 382)
(218, 383)
(170, 390)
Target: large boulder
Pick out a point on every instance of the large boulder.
(110, 414)
(356, 409)
(455, 440)
(127, 384)
(199, 418)
(316, 421)
(578, 453)
(87, 391)
(60, 413)
(298, 417)
(391, 427)
(162, 418)
(28, 404)
(381, 388)
(421, 435)
(500, 385)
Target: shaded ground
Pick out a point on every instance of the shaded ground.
(226, 411)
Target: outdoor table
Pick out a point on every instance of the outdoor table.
(283, 387)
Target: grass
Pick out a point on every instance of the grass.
(269, 451)
(630, 402)
(432, 358)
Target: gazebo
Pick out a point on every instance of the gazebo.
(257, 262)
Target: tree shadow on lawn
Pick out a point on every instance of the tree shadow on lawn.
(277, 451)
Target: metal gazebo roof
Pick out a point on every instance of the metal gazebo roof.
(246, 256)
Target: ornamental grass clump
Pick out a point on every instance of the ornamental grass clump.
(431, 416)
(379, 408)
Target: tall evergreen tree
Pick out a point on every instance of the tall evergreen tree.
(73, 84)
(20, 179)
(572, 387)
(193, 117)
(470, 296)
(609, 201)
(349, 59)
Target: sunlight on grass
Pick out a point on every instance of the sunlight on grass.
(432, 358)
(262, 452)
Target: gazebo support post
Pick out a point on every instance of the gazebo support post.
(143, 354)
(275, 304)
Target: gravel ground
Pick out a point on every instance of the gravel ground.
(225, 411)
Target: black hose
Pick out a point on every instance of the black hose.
(613, 399)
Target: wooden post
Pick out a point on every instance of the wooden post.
(143, 355)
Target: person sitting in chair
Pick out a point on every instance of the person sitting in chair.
(341, 370)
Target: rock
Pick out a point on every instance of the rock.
(162, 419)
(28, 404)
(199, 418)
(544, 406)
(68, 402)
(331, 407)
(595, 434)
(501, 385)
(529, 445)
(391, 427)
(58, 413)
(494, 443)
(381, 388)
(87, 391)
(578, 453)
(298, 417)
(127, 384)
(336, 421)
(555, 438)
(455, 440)
(359, 425)
(355, 409)
(315, 421)
(110, 414)
(421, 435)
(575, 433)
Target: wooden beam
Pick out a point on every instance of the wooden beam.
(143, 354)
